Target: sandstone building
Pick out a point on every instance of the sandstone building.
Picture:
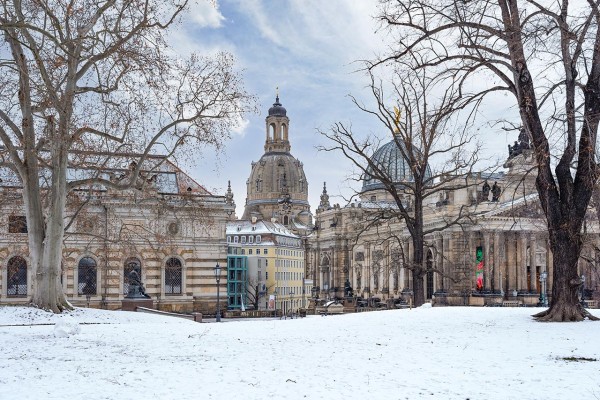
(172, 232)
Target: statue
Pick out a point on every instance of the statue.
(485, 191)
(524, 143)
(136, 288)
(348, 292)
(496, 190)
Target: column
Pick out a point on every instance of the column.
(496, 269)
(532, 263)
(469, 259)
(407, 282)
(439, 264)
(511, 250)
(486, 262)
(549, 267)
(522, 271)
(446, 252)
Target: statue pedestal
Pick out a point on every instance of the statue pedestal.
(130, 304)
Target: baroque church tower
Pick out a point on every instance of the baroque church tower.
(277, 189)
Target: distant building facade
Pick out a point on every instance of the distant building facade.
(501, 254)
(171, 232)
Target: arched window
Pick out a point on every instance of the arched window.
(17, 277)
(87, 276)
(130, 265)
(272, 132)
(173, 273)
(284, 133)
(286, 220)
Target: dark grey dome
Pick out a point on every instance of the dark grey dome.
(277, 110)
(389, 157)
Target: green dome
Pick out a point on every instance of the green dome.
(389, 157)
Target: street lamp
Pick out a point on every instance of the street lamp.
(543, 297)
(218, 279)
(582, 290)
(292, 302)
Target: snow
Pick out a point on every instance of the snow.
(424, 353)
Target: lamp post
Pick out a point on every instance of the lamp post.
(218, 279)
(543, 297)
(582, 290)
(292, 302)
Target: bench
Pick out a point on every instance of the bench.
(590, 304)
(511, 303)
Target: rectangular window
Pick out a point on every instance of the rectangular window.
(243, 239)
(266, 275)
(265, 251)
(258, 239)
(17, 224)
(250, 239)
(235, 239)
(249, 251)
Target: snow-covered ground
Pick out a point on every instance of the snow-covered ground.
(430, 353)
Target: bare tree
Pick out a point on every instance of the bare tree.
(548, 57)
(96, 76)
(255, 292)
(422, 130)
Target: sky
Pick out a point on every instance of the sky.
(452, 353)
(310, 50)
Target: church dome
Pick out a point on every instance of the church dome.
(389, 157)
(277, 110)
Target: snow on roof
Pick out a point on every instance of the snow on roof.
(511, 204)
(166, 177)
(244, 227)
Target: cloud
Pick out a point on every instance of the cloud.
(256, 12)
(206, 14)
(240, 128)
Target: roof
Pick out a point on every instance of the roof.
(158, 171)
(244, 227)
(390, 158)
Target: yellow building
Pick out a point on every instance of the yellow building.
(275, 278)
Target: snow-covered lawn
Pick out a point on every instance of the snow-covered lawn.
(432, 353)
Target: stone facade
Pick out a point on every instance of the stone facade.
(172, 232)
(507, 228)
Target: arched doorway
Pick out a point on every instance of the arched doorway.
(429, 276)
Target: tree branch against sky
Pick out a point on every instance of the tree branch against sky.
(420, 121)
(85, 77)
(548, 57)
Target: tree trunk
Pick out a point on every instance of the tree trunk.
(418, 272)
(566, 284)
(46, 235)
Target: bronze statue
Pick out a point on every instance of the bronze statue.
(496, 190)
(136, 288)
(485, 191)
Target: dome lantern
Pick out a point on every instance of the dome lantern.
(277, 124)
